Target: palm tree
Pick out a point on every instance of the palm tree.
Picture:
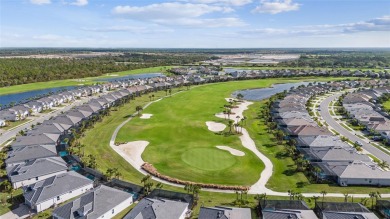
(291, 194)
(260, 197)
(188, 187)
(315, 199)
(317, 172)
(138, 109)
(109, 173)
(230, 123)
(383, 164)
(346, 195)
(159, 185)
(196, 190)
(323, 192)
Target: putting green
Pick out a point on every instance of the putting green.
(208, 159)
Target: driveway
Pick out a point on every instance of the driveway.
(351, 135)
(21, 212)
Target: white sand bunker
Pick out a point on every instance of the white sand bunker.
(215, 126)
(232, 151)
(146, 116)
(133, 150)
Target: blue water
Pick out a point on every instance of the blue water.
(25, 96)
(264, 93)
(63, 153)
(127, 77)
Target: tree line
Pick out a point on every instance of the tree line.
(14, 71)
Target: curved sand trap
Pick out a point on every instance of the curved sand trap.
(232, 151)
(133, 150)
(215, 126)
(146, 116)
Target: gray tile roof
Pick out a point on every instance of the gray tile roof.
(93, 204)
(149, 208)
(36, 168)
(47, 128)
(335, 154)
(30, 152)
(36, 139)
(346, 215)
(55, 186)
(224, 213)
(322, 141)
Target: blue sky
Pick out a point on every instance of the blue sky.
(195, 23)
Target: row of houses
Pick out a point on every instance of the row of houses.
(296, 209)
(364, 108)
(336, 160)
(253, 73)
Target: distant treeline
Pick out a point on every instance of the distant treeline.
(15, 71)
(342, 60)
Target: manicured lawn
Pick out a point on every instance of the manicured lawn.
(386, 105)
(209, 159)
(14, 124)
(159, 69)
(346, 127)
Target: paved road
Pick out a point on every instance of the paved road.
(325, 114)
(12, 133)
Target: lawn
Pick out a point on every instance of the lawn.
(12, 125)
(386, 105)
(181, 146)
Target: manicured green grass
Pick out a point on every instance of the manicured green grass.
(209, 159)
(178, 124)
(12, 125)
(386, 105)
(4, 208)
(159, 69)
(346, 127)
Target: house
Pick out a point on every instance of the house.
(36, 139)
(53, 128)
(320, 141)
(224, 213)
(358, 173)
(55, 190)
(337, 210)
(33, 171)
(2, 123)
(35, 106)
(282, 209)
(158, 209)
(307, 130)
(8, 116)
(102, 202)
(29, 153)
(333, 154)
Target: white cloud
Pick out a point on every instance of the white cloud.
(180, 14)
(276, 6)
(131, 29)
(381, 24)
(80, 2)
(168, 10)
(40, 2)
(224, 2)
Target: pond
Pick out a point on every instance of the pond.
(264, 93)
(26, 96)
(128, 77)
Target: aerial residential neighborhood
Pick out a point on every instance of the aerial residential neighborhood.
(194, 109)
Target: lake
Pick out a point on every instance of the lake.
(128, 77)
(25, 96)
(264, 93)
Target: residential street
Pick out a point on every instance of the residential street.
(325, 114)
